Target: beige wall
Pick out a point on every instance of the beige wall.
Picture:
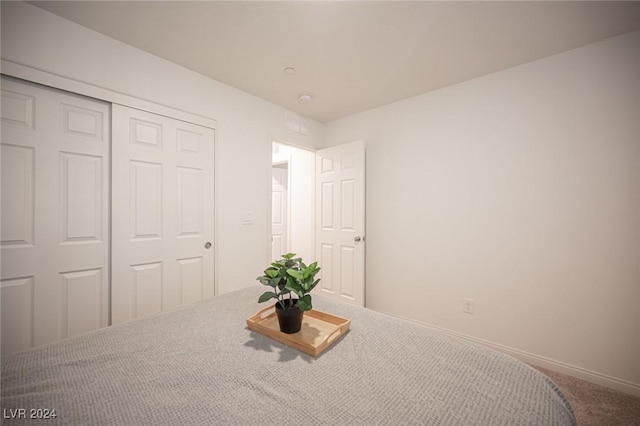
(246, 124)
(520, 190)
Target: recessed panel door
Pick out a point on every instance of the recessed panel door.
(340, 222)
(55, 215)
(163, 213)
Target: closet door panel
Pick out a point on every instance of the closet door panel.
(55, 214)
(163, 213)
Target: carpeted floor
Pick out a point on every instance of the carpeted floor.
(597, 405)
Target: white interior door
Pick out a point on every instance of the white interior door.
(55, 215)
(163, 213)
(279, 211)
(340, 221)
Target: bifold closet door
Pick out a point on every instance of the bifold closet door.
(163, 213)
(55, 215)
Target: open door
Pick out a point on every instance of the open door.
(340, 221)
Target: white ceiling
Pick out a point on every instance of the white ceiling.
(351, 56)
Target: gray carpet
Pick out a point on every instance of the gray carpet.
(597, 405)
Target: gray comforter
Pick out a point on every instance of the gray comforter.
(201, 365)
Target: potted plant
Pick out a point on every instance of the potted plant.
(288, 276)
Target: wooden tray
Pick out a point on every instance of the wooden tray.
(319, 329)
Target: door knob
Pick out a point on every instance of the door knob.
(357, 238)
(207, 245)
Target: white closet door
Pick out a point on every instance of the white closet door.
(163, 213)
(55, 204)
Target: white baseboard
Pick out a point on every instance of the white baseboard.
(544, 362)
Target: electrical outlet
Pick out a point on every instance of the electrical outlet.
(468, 306)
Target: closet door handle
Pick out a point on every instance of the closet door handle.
(207, 245)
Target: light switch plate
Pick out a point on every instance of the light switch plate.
(247, 217)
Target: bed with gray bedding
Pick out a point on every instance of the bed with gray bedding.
(200, 365)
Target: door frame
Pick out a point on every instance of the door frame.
(44, 78)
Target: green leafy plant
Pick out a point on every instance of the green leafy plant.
(290, 275)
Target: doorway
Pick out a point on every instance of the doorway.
(292, 201)
(327, 185)
(279, 208)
